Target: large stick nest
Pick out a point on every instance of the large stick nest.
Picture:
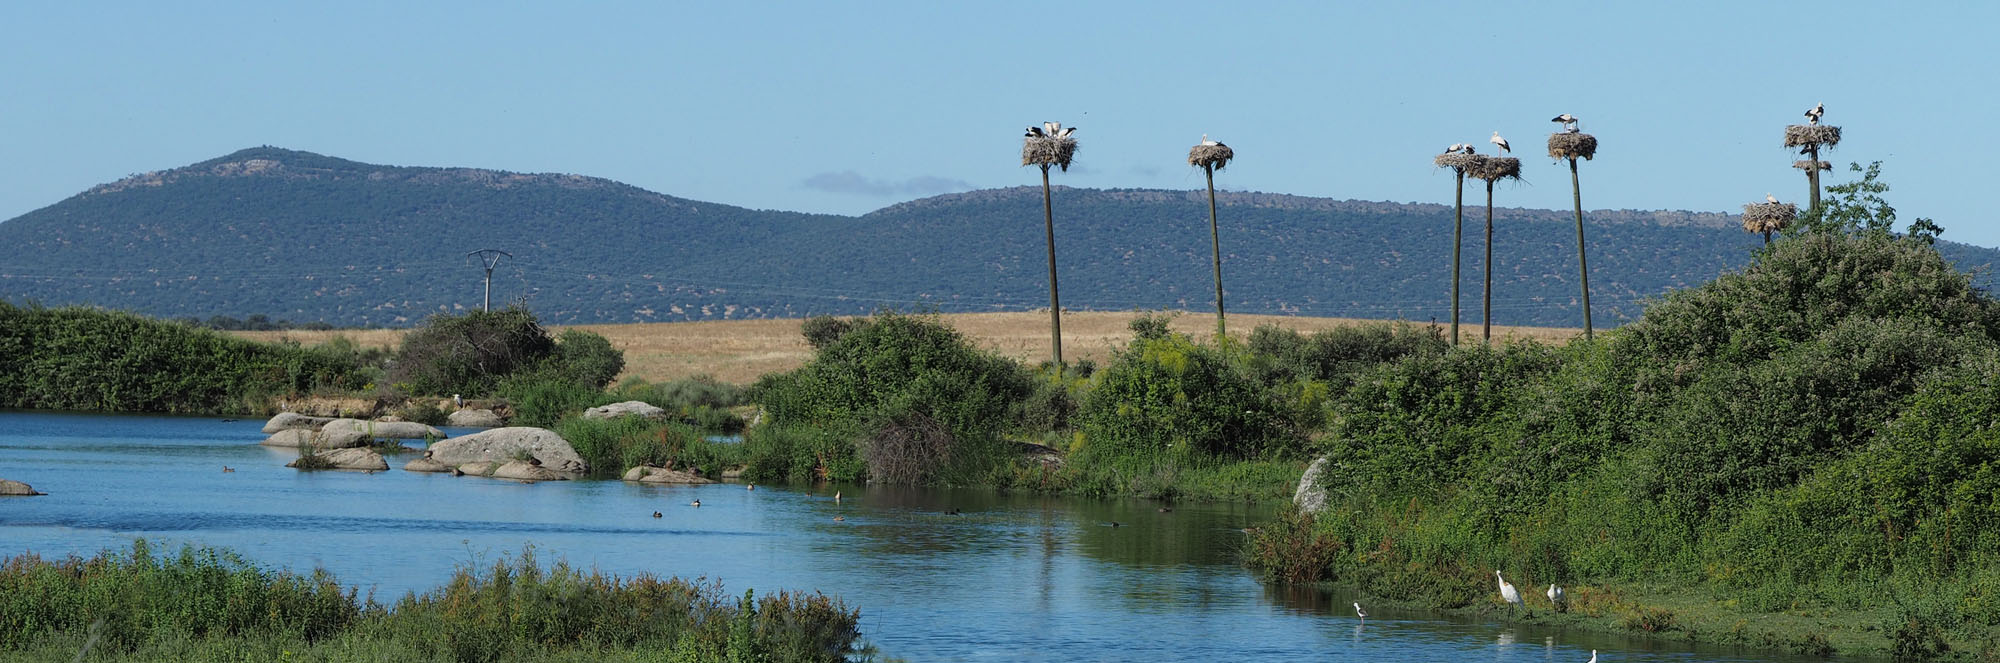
(1807, 164)
(1047, 151)
(1768, 217)
(1496, 168)
(1464, 163)
(1570, 145)
(1210, 155)
(1807, 135)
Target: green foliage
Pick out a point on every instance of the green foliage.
(1166, 397)
(586, 358)
(799, 453)
(209, 605)
(1813, 431)
(613, 445)
(540, 400)
(699, 400)
(469, 354)
(823, 330)
(897, 368)
(86, 359)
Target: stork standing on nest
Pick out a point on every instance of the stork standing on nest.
(1568, 122)
(1812, 116)
(1502, 142)
(1770, 198)
(1209, 142)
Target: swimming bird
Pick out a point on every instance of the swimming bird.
(752, 487)
(656, 514)
(227, 468)
(1358, 612)
(1166, 509)
(1502, 142)
(695, 503)
(1556, 595)
(1812, 116)
(840, 518)
(1770, 198)
(1507, 591)
(1115, 523)
(1593, 657)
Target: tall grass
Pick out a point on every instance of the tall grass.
(613, 445)
(204, 604)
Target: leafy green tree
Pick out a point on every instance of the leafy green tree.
(468, 354)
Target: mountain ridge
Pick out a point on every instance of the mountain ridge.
(307, 237)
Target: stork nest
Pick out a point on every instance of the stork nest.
(1459, 161)
(1046, 151)
(1493, 169)
(1205, 156)
(1570, 145)
(1807, 164)
(1809, 135)
(1768, 217)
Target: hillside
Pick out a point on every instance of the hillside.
(305, 237)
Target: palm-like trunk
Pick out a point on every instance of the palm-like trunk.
(1582, 265)
(1457, 241)
(1486, 307)
(1215, 239)
(1055, 303)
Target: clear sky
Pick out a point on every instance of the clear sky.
(848, 107)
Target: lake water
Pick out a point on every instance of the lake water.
(1014, 578)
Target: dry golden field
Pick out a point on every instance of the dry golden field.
(738, 351)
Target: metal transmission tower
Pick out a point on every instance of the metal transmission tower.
(488, 258)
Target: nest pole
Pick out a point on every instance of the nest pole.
(1582, 265)
(1055, 304)
(1812, 177)
(1486, 306)
(1457, 242)
(1215, 239)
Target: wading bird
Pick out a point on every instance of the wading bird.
(1358, 612)
(1507, 590)
(1556, 595)
(1208, 142)
(1567, 120)
(1812, 116)
(1770, 198)
(1593, 656)
(1502, 142)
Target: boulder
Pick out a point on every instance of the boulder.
(297, 437)
(525, 470)
(348, 459)
(626, 409)
(651, 474)
(16, 488)
(477, 469)
(426, 464)
(471, 418)
(1311, 494)
(294, 421)
(343, 433)
(500, 445)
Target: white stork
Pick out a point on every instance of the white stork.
(1770, 198)
(1812, 116)
(1567, 120)
(1207, 142)
(1066, 132)
(1502, 142)
(1052, 128)
(1034, 132)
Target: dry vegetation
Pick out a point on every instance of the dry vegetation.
(738, 351)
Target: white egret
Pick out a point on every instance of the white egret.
(1507, 590)
(1502, 142)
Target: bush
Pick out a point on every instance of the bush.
(585, 358)
(469, 354)
(1166, 397)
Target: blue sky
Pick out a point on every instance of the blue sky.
(845, 108)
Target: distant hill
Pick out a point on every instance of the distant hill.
(305, 237)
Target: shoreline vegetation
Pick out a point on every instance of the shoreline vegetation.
(1797, 456)
(203, 604)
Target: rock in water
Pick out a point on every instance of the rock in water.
(470, 418)
(294, 437)
(527, 471)
(626, 409)
(344, 433)
(1311, 495)
(651, 474)
(294, 421)
(349, 459)
(500, 445)
(16, 488)
(426, 464)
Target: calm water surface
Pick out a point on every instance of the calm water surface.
(1015, 578)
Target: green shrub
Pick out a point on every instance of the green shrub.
(421, 411)
(585, 358)
(540, 400)
(470, 353)
(795, 453)
(1167, 397)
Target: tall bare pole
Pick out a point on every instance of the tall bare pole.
(1457, 242)
(489, 258)
(1583, 265)
(1055, 303)
(1486, 306)
(1215, 239)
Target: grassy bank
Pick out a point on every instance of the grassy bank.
(1807, 447)
(206, 605)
